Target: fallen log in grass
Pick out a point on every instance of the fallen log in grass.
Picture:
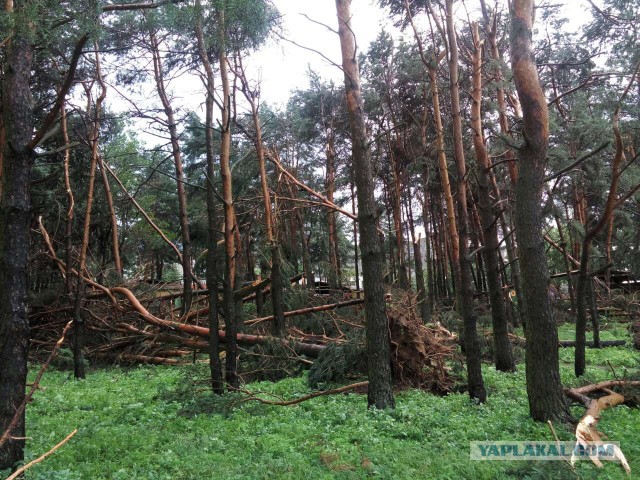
(607, 343)
(568, 343)
(133, 358)
(251, 396)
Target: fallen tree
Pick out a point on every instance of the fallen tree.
(139, 327)
(586, 432)
(251, 396)
(521, 341)
(607, 343)
(303, 311)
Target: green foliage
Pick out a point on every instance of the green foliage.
(337, 363)
(63, 361)
(163, 423)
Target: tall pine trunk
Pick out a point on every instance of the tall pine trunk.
(187, 296)
(544, 387)
(230, 224)
(502, 347)
(15, 216)
(215, 365)
(472, 352)
(380, 393)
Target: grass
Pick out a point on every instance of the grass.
(156, 423)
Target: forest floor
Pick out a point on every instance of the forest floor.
(162, 423)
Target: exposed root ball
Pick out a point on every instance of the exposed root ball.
(419, 353)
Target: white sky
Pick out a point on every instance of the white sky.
(283, 67)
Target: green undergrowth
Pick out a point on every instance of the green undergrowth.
(162, 423)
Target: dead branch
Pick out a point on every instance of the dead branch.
(22, 469)
(7, 433)
(295, 401)
(143, 213)
(66, 86)
(603, 385)
(273, 156)
(129, 357)
(302, 311)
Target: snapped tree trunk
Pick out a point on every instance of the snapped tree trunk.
(544, 387)
(115, 243)
(277, 285)
(582, 288)
(230, 225)
(380, 393)
(94, 141)
(177, 160)
(423, 302)
(70, 204)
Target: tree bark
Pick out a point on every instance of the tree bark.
(177, 159)
(356, 260)
(277, 285)
(544, 387)
(502, 347)
(230, 224)
(215, 365)
(380, 394)
(472, 352)
(15, 216)
(583, 273)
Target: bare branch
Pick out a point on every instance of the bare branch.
(66, 86)
(577, 162)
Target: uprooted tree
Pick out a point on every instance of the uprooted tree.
(302, 200)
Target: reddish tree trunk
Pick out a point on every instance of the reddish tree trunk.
(177, 160)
